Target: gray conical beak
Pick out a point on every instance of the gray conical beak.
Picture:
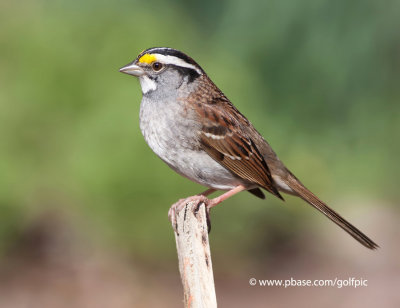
(132, 69)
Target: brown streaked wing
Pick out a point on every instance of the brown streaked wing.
(225, 141)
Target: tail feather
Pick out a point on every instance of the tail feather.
(257, 192)
(314, 201)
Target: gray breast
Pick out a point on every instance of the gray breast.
(172, 133)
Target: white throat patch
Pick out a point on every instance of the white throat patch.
(147, 84)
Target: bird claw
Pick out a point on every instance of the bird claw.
(178, 206)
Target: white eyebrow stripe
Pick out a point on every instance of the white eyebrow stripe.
(176, 61)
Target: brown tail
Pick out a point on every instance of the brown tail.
(313, 200)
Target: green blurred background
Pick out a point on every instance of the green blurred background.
(319, 79)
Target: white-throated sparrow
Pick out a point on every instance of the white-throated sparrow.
(194, 128)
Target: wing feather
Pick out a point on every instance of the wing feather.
(226, 141)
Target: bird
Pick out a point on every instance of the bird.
(194, 128)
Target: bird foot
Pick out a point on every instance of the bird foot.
(178, 206)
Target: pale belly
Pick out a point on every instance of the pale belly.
(174, 140)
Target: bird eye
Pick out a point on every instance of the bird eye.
(157, 66)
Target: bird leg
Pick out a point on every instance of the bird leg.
(207, 192)
(201, 198)
(224, 196)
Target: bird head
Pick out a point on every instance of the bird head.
(163, 67)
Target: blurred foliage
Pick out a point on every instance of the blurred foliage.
(319, 79)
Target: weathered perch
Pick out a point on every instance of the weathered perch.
(194, 257)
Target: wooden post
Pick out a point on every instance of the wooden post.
(194, 257)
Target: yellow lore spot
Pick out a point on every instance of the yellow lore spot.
(147, 58)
